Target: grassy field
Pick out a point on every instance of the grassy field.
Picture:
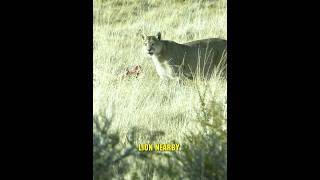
(145, 102)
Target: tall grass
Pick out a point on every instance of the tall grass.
(145, 103)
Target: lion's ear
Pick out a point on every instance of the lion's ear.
(158, 36)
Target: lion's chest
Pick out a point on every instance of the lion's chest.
(163, 68)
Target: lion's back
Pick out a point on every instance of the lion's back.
(216, 43)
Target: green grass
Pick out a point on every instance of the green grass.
(145, 102)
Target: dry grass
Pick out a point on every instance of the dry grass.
(145, 102)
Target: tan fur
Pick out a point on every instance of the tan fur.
(172, 59)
